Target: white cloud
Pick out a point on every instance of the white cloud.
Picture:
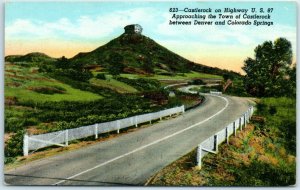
(22, 26)
(83, 27)
(87, 27)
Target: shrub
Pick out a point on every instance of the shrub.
(30, 121)
(272, 110)
(101, 76)
(160, 97)
(74, 74)
(13, 124)
(197, 82)
(261, 108)
(14, 146)
(288, 129)
(166, 73)
(11, 100)
(207, 89)
(264, 174)
(48, 90)
(141, 84)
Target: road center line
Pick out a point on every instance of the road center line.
(150, 144)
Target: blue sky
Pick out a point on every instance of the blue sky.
(59, 29)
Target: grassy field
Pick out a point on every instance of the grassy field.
(262, 155)
(186, 76)
(25, 83)
(113, 85)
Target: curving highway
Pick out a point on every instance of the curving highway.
(134, 157)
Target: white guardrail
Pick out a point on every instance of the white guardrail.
(215, 92)
(61, 138)
(210, 145)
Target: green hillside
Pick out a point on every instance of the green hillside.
(139, 54)
(26, 83)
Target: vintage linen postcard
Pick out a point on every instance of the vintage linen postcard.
(192, 93)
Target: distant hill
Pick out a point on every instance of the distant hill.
(138, 53)
(141, 54)
(30, 57)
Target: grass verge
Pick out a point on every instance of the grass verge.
(261, 155)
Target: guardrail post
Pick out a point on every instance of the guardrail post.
(234, 128)
(25, 145)
(245, 121)
(66, 137)
(227, 135)
(136, 124)
(240, 123)
(96, 131)
(199, 155)
(183, 109)
(248, 115)
(216, 142)
(118, 126)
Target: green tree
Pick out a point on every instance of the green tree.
(116, 64)
(269, 72)
(62, 63)
(73, 70)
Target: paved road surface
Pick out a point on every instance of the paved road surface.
(132, 158)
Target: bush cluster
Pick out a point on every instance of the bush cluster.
(207, 89)
(197, 82)
(141, 84)
(237, 89)
(14, 146)
(74, 74)
(84, 86)
(72, 110)
(101, 76)
(261, 174)
(280, 114)
(157, 96)
(14, 124)
(48, 90)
